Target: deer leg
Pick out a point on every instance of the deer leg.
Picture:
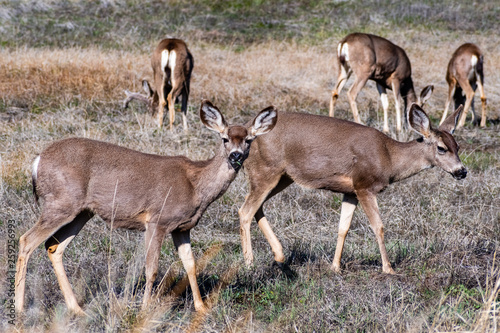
(469, 96)
(264, 225)
(183, 244)
(55, 247)
(369, 203)
(358, 84)
(185, 96)
(161, 104)
(451, 91)
(483, 102)
(153, 240)
(344, 74)
(172, 96)
(349, 203)
(28, 242)
(253, 202)
(396, 92)
(385, 105)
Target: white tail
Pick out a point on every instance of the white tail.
(375, 58)
(77, 178)
(465, 72)
(341, 156)
(172, 66)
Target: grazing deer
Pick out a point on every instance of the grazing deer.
(375, 58)
(464, 74)
(78, 178)
(172, 66)
(332, 154)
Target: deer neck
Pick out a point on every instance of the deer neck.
(408, 159)
(213, 176)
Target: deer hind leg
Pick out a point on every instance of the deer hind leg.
(47, 225)
(153, 239)
(344, 74)
(469, 96)
(369, 203)
(172, 96)
(55, 247)
(451, 91)
(385, 105)
(253, 203)
(358, 84)
(349, 203)
(182, 242)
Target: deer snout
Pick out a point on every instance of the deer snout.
(236, 159)
(460, 173)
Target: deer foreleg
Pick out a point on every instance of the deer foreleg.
(385, 105)
(183, 244)
(483, 103)
(370, 206)
(397, 94)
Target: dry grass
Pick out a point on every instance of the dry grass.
(442, 235)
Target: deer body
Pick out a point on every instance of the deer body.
(326, 153)
(172, 65)
(464, 74)
(78, 178)
(375, 58)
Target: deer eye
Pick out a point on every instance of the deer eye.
(225, 140)
(248, 141)
(441, 150)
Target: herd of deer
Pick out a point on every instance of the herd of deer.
(78, 178)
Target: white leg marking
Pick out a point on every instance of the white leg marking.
(171, 64)
(343, 49)
(35, 167)
(164, 60)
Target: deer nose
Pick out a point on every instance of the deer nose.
(460, 173)
(236, 159)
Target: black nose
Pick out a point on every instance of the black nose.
(460, 174)
(236, 159)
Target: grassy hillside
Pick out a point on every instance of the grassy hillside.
(63, 68)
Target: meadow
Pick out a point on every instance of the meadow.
(63, 68)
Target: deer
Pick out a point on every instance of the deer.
(78, 178)
(465, 72)
(372, 57)
(172, 65)
(320, 152)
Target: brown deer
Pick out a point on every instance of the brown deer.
(341, 156)
(375, 58)
(464, 74)
(78, 178)
(172, 66)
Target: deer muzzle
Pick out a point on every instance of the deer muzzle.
(460, 173)
(236, 159)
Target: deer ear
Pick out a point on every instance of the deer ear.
(147, 88)
(264, 121)
(426, 94)
(419, 121)
(211, 117)
(451, 122)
